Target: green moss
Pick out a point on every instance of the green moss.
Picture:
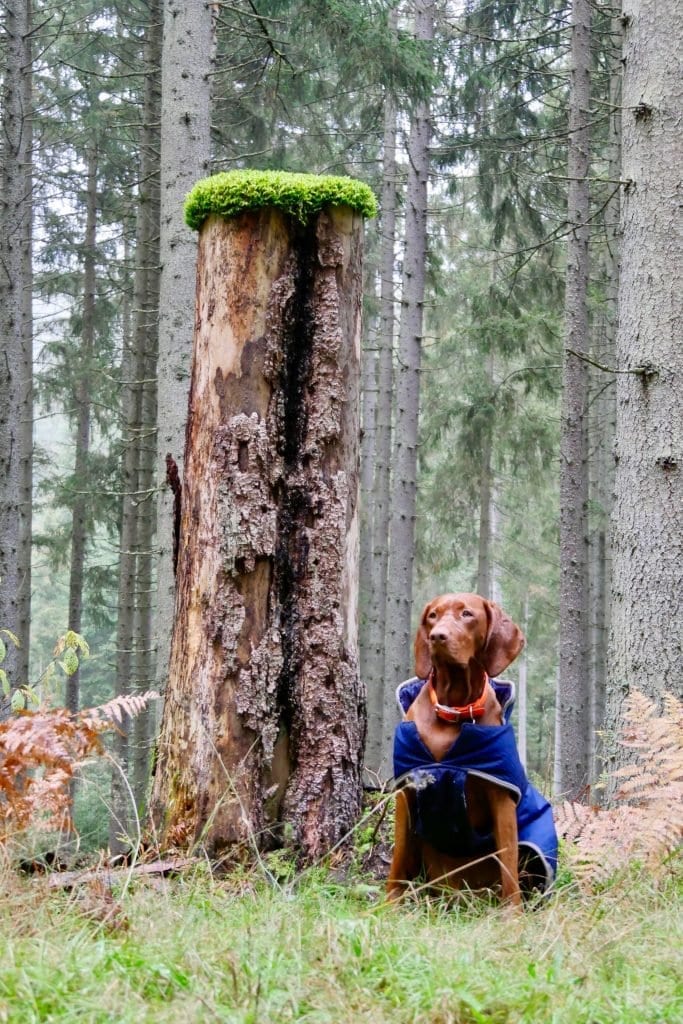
(301, 195)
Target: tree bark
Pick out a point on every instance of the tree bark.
(16, 340)
(574, 714)
(185, 152)
(377, 749)
(605, 405)
(398, 656)
(147, 345)
(263, 723)
(135, 639)
(646, 635)
(368, 455)
(81, 400)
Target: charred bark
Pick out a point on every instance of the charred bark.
(264, 718)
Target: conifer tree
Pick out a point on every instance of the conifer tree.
(16, 336)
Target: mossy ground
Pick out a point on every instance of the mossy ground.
(300, 195)
(243, 949)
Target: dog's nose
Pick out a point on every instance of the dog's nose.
(438, 636)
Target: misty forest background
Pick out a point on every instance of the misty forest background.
(475, 106)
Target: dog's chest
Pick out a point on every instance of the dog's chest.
(437, 736)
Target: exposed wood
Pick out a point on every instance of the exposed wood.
(71, 879)
(264, 718)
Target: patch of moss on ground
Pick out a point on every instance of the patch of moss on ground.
(300, 195)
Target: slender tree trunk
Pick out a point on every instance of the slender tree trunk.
(81, 399)
(16, 345)
(646, 635)
(263, 722)
(135, 661)
(485, 581)
(574, 720)
(522, 691)
(147, 342)
(377, 749)
(131, 403)
(398, 656)
(606, 404)
(185, 153)
(368, 455)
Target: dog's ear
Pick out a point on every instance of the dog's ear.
(423, 661)
(504, 640)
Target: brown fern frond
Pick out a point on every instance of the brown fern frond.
(646, 822)
(128, 705)
(40, 752)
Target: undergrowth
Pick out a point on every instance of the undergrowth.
(272, 943)
(645, 823)
(244, 950)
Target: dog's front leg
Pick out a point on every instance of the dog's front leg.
(504, 815)
(405, 863)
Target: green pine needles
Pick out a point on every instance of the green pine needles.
(301, 195)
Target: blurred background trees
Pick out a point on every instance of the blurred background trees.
(458, 114)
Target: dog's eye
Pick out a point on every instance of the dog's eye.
(432, 615)
(467, 614)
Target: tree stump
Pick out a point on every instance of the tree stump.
(264, 719)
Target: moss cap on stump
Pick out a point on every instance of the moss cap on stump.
(301, 195)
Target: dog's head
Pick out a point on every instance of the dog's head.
(456, 629)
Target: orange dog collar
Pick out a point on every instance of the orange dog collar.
(467, 713)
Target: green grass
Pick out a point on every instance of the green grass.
(300, 195)
(238, 950)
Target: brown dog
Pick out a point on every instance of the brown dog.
(461, 642)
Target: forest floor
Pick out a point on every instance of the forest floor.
(323, 947)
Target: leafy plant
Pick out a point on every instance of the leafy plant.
(69, 650)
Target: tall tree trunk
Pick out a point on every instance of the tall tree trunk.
(185, 153)
(523, 690)
(368, 455)
(574, 715)
(147, 343)
(81, 400)
(485, 574)
(606, 404)
(377, 749)
(398, 657)
(135, 661)
(131, 405)
(264, 720)
(16, 339)
(646, 639)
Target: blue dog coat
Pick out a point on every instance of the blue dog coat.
(489, 752)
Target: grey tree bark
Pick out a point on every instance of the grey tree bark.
(646, 634)
(574, 711)
(380, 696)
(185, 154)
(523, 689)
(605, 413)
(485, 554)
(135, 638)
(81, 400)
(368, 454)
(16, 338)
(263, 725)
(398, 656)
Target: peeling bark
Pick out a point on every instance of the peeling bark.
(264, 718)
